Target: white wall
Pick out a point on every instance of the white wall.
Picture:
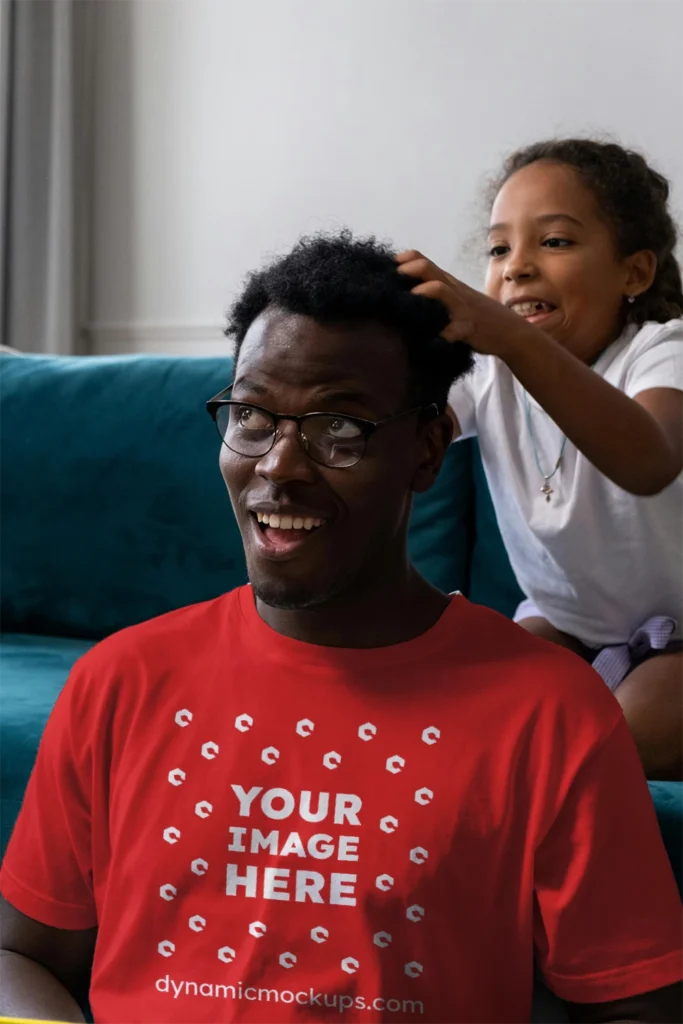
(225, 128)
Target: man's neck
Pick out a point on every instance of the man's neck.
(390, 611)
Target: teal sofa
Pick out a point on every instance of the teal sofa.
(113, 511)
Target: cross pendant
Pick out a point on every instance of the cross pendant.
(547, 490)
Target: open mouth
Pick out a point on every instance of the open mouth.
(284, 534)
(285, 522)
(534, 311)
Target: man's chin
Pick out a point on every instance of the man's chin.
(286, 596)
(293, 594)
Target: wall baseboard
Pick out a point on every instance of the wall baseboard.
(106, 339)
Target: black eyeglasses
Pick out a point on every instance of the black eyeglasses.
(329, 439)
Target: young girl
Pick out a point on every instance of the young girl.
(577, 402)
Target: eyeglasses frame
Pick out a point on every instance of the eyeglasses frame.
(368, 427)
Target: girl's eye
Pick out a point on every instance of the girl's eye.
(557, 243)
(497, 250)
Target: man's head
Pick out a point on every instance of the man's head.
(332, 328)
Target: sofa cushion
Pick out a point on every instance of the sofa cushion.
(113, 507)
(440, 537)
(33, 670)
(668, 801)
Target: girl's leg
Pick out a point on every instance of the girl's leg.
(651, 697)
(539, 626)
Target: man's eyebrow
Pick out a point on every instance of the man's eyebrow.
(545, 218)
(250, 385)
(331, 396)
(328, 395)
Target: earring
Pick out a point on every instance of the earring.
(631, 299)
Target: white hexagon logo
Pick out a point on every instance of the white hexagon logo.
(257, 929)
(199, 866)
(166, 948)
(349, 965)
(244, 723)
(395, 764)
(384, 882)
(176, 777)
(197, 923)
(381, 939)
(389, 824)
(203, 809)
(183, 718)
(269, 755)
(226, 954)
(168, 891)
(319, 934)
(171, 835)
(413, 969)
(332, 759)
(209, 750)
(287, 960)
(423, 796)
(418, 855)
(415, 913)
(430, 735)
(305, 727)
(367, 731)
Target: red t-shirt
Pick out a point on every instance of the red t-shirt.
(266, 830)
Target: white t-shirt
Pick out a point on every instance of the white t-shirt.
(597, 561)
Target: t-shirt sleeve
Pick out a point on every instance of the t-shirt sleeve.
(607, 916)
(47, 870)
(659, 363)
(464, 396)
(461, 401)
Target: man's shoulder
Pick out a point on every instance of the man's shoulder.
(532, 670)
(536, 698)
(163, 640)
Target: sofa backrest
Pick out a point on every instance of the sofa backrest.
(113, 508)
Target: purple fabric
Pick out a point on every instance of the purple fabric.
(615, 662)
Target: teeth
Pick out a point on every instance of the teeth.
(278, 522)
(529, 308)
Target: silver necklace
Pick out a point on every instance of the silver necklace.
(546, 489)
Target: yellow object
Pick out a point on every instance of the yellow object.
(27, 1020)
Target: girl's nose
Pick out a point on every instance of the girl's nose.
(519, 266)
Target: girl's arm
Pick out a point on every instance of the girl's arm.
(636, 442)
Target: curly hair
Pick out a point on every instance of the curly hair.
(633, 199)
(336, 277)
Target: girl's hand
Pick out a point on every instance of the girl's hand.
(482, 322)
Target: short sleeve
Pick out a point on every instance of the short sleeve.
(463, 397)
(659, 363)
(47, 870)
(607, 916)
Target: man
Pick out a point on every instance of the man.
(337, 793)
